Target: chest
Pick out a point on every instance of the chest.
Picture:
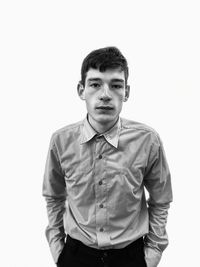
(87, 164)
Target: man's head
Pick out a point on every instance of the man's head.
(103, 86)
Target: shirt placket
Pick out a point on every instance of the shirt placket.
(103, 238)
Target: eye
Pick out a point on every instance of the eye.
(95, 85)
(116, 86)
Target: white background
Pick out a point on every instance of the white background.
(42, 47)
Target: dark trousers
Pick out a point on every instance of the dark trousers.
(76, 254)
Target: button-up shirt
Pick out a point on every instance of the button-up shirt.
(94, 187)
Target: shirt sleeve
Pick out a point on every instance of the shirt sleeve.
(157, 181)
(54, 191)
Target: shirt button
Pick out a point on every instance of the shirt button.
(101, 229)
(100, 156)
(100, 182)
(101, 205)
(98, 137)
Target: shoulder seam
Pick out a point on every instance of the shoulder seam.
(149, 129)
(68, 127)
(143, 128)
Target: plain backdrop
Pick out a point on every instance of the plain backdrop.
(42, 47)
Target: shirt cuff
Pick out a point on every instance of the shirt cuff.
(152, 256)
(56, 249)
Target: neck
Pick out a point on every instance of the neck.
(101, 127)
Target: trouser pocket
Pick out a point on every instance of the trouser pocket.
(69, 251)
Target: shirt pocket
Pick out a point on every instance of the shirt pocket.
(78, 181)
(133, 178)
(123, 192)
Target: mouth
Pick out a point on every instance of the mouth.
(104, 108)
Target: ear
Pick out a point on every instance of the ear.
(127, 92)
(81, 90)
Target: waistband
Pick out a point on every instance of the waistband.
(75, 244)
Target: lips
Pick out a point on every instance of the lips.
(104, 107)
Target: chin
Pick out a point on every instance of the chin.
(106, 119)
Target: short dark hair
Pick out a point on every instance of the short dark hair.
(103, 59)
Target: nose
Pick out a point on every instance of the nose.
(105, 93)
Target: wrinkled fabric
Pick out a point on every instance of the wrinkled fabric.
(94, 187)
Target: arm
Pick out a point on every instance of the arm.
(158, 183)
(54, 191)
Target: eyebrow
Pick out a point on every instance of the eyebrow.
(118, 80)
(94, 79)
(98, 80)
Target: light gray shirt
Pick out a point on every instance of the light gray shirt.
(94, 188)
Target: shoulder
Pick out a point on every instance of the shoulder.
(141, 129)
(135, 125)
(65, 132)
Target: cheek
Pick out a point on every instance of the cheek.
(90, 101)
(120, 96)
(89, 95)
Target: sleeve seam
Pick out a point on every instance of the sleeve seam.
(57, 156)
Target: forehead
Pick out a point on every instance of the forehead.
(109, 74)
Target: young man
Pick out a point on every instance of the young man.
(95, 175)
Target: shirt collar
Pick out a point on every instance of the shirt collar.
(111, 136)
